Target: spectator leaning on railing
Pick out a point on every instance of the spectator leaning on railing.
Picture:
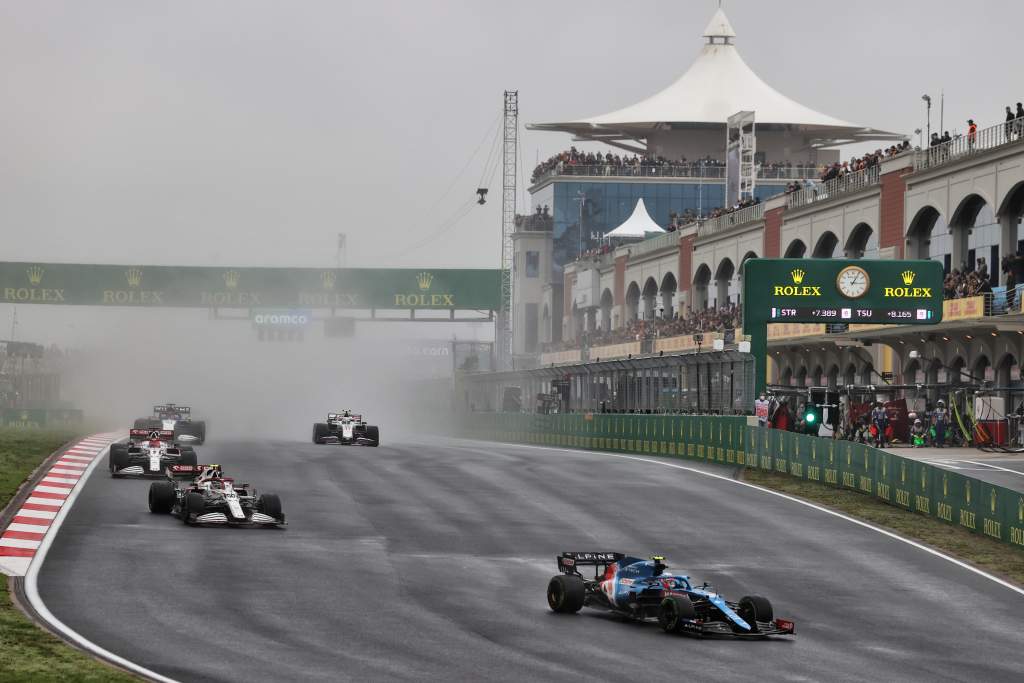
(718, 319)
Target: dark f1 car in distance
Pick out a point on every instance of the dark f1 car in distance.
(148, 452)
(177, 419)
(347, 429)
(642, 590)
(213, 499)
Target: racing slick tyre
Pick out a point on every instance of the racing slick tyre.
(754, 608)
(161, 497)
(118, 458)
(188, 456)
(320, 432)
(674, 611)
(373, 432)
(194, 505)
(566, 594)
(270, 504)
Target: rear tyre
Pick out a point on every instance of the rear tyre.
(566, 594)
(373, 432)
(270, 504)
(194, 505)
(674, 611)
(754, 608)
(200, 432)
(320, 432)
(118, 458)
(161, 497)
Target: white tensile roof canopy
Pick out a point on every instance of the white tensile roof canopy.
(639, 224)
(717, 85)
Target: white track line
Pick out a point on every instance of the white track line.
(996, 467)
(884, 532)
(32, 592)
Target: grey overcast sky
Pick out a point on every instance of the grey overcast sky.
(251, 132)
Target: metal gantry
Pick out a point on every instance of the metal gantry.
(508, 218)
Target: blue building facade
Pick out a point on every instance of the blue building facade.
(603, 205)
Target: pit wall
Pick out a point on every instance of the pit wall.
(980, 507)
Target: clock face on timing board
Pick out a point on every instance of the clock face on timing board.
(853, 282)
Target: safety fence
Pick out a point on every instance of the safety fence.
(916, 486)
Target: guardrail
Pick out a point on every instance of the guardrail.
(728, 220)
(909, 484)
(830, 189)
(669, 239)
(694, 171)
(965, 145)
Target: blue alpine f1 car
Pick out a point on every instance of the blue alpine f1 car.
(644, 591)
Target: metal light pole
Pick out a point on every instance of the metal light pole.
(581, 197)
(928, 104)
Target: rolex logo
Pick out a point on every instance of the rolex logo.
(798, 276)
(327, 279)
(908, 277)
(134, 277)
(231, 279)
(424, 280)
(35, 274)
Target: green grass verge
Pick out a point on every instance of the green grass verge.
(27, 652)
(985, 553)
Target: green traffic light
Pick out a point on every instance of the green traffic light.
(810, 417)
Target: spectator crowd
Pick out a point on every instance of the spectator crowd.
(720, 319)
(614, 164)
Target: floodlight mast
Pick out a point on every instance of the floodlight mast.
(508, 220)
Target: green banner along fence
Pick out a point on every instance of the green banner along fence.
(983, 508)
(358, 288)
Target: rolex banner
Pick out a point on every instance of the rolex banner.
(208, 287)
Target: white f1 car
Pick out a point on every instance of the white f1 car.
(346, 428)
(213, 498)
(149, 452)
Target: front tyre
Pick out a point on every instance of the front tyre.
(194, 505)
(373, 432)
(270, 504)
(566, 594)
(161, 497)
(118, 458)
(320, 432)
(674, 612)
(753, 609)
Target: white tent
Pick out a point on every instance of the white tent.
(717, 85)
(639, 224)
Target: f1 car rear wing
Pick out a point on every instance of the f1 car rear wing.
(161, 434)
(192, 470)
(170, 410)
(569, 562)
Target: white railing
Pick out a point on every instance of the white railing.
(850, 182)
(669, 239)
(672, 171)
(965, 145)
(728, 220)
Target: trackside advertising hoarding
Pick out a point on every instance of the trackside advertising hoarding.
(288, 288)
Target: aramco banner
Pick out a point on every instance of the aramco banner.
(206, 287)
